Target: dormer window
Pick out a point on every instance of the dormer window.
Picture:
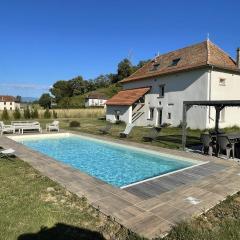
(174, 62)
(155, 66)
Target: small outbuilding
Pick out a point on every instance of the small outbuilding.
(95, 100)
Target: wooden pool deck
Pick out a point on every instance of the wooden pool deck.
(149, 208)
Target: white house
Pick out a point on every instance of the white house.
(154, 94)
(9, 103)
(95, 100)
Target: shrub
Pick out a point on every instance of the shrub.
(27, 113)
(47, 113)
(5, 115)
(74, 124)
(16, 114)
(34, 113)
(54, 114)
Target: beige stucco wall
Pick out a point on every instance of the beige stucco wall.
(231, 91)
(192, 85)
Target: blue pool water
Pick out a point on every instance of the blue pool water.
(114, 164)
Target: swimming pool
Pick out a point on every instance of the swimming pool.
(113, 163)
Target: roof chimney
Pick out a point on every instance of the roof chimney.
(238, 58)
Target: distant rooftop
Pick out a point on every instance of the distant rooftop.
(5, 98)
(96, 95)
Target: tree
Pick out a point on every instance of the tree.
(47, 113)
(19, 98)
(54, 114)
(34, 113)
(17, 114)
(27, 113)
(125, 69)
(5, 115)
(45, 100)
(102, 81)
(78, 86)
(61, 89)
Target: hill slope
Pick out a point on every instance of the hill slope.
(78, 101)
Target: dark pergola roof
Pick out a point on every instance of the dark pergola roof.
(219, 106)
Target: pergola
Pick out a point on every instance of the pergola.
(219, 106)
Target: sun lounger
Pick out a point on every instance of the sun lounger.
(22, 126)
(6, 128)
(54, 126)
(7, 153)
(127, 130)
(152, 135)
(105, 129)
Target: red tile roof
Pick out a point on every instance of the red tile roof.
(127, 97)
(195, 56)
(7, 98)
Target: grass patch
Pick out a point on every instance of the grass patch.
(220, 223)
(34, 207)
(169, 137)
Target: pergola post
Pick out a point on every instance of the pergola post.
(218, 109)
(184, 125)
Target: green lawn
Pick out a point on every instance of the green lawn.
(169, 137)
(34, 205)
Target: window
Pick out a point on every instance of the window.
(161, 92)
(169, 116)
(151, 113)
(222, 82)
(155, 67)
(174, 62)
(117, 115)
(10, 108)
(10, 103)
(5, 103)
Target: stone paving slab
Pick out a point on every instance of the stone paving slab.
(149, 208)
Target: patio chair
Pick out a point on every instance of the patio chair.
(6, 128)
(106, 129)
(54, 126)
(207, 144)
(127, 130)
(7, 153)
(225, 145)
(152, 135)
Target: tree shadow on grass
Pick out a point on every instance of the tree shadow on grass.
(62, 231)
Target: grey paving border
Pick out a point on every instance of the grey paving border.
(152, 207)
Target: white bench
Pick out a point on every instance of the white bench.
(22, 126)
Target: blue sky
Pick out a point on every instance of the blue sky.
(48, 40)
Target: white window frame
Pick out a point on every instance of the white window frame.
(151, 113)
(222, 81)
(169, 115)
